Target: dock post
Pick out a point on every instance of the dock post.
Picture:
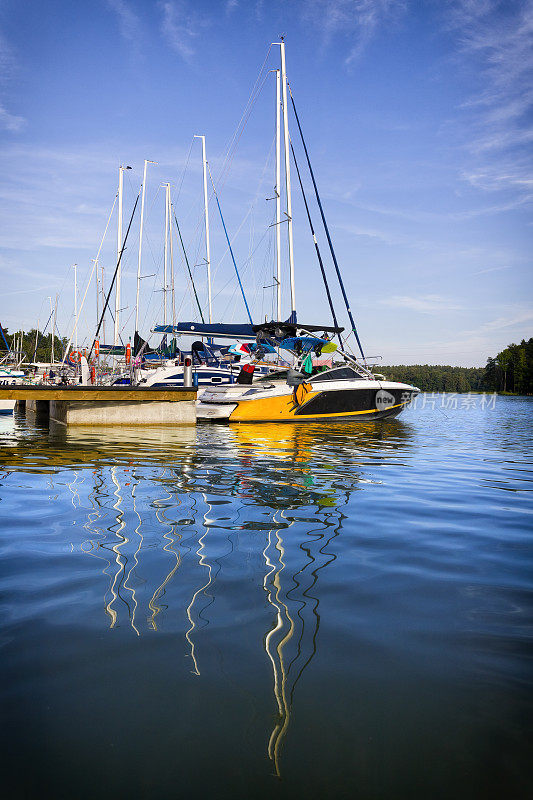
(187, 373)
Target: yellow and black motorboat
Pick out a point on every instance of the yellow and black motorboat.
(338, 394)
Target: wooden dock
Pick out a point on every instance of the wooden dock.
(106, 405)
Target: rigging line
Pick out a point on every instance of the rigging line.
(95, 262)
(323, 271)
(250, 209)
(225, 172)
(114, 276)
(230, 248)
(244, 264)
(41, 333)
(185, 169)
(249, 101)
(330, 243)
(188, 266)
(36, 338)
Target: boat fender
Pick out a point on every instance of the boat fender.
(246, 374)
(93, 375)
(299, 393)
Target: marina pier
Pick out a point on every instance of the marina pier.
(106, 405)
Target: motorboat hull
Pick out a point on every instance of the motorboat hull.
(341, 401)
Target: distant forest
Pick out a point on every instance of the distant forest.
(509, 371)
(435, 378)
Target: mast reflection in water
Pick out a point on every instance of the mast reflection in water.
(245, 609)
(291, 642)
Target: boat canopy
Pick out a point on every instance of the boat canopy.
(221, 330)
(286, 330)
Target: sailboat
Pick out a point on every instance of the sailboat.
(308, 391)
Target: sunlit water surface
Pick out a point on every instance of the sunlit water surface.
(269, 610)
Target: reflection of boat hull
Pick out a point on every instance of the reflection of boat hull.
(338, 401)
(9, 377)
(7, 406)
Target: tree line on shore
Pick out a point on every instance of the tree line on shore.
(509, 371)
(437, 378)
(24, 343)
(512, 369)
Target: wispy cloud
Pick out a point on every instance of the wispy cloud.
(181, 26)
(357, 21)
(496, 37)
(129, 23)
(490, 269)
(421, 215)
(467, 347)
(517, 318)
(8, 68)
(44, 287)
(425, 304)
(7, 60)
(501, 176)
(11, 122)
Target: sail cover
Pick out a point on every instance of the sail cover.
(285, 330)
(220, 330)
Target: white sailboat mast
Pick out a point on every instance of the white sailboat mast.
(52, 318)
(206, 217)
(97, 290)
(165, 271)
(75, 306)
(103, 305)
(287, 172)
(278, 193)
(119, 248)
(172, 293)
(146, 162)
(54, 327)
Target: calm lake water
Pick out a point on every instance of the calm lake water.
(269, 610)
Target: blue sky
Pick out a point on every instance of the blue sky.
(417, 117)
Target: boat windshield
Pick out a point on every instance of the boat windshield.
(273, 376)
(337, 374)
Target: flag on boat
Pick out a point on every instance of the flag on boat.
(239, 349)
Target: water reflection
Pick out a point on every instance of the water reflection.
(165, 509)
(342, 607)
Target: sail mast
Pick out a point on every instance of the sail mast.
(146, 162)
(278, 194)
(97, 287)
(206, 217)
(103, 302)
(288, 175)
(75, 306)
(172, 292)
(119, 251)
(54, 328)
(119, 247)
(167, 192)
